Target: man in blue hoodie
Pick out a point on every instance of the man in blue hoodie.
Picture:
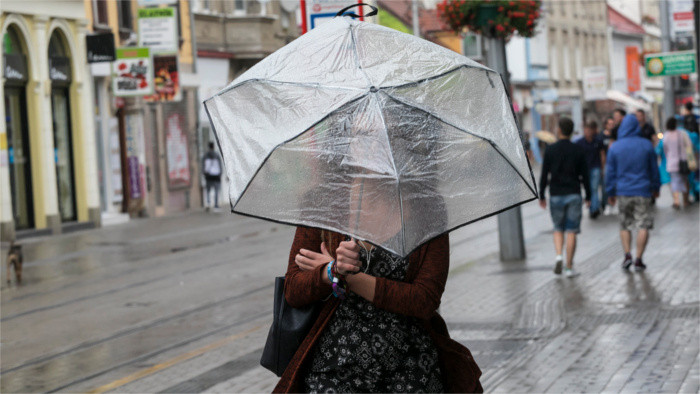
(632, 177)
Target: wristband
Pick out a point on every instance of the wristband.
(329, 270)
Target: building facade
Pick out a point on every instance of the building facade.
(48, 175)
(231, 37)
(147, 150)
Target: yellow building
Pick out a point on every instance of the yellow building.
(48, 172)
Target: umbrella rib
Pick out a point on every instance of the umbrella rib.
(304, 84)
(398, 178)
(357, 55)
(420, 81)
(493, 144)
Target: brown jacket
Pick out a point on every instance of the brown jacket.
(419, 296)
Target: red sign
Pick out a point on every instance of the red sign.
(633, 80)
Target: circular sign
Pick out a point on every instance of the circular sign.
(316, 7)
(656, 66)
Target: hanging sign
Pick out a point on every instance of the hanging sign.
(100, 48)
(682, 19)
(595, 83)
(316, 12)
(670, 63)
(158, 30)
(176, 147)
(132, 72)
(633, 80)
(165, 80)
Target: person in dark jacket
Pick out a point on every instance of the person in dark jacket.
(632, 178)
(566, 163)
(647, 130)
(211, 167)
(690, 122)
(594, 149)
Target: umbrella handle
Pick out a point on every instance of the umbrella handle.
(354, 15)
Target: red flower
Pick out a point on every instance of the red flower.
(529, 22)
(500, 28)
(500, 9)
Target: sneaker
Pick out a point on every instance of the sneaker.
(639, 266)
(607, 211)
(627, 261)
(557, 267)
(570, 273)
(595, 214)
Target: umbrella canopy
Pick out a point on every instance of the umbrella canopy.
(373, 133)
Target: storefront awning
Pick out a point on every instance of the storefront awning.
(627, 101)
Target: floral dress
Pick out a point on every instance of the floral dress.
(367, 349)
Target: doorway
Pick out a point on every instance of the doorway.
(18, 156)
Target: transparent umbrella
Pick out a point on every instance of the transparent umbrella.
(373, 133)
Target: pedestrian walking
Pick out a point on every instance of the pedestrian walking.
(617, 115)
(594, 151)
(211, 167)
(690, 122)
(565, 162)
(648, 130)
(632, 178)
(676, 161)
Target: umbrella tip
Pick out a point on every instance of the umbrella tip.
(373, 89)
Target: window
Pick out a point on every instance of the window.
(567, 64)
(471, 46)
(239, 7)
(577, 59)
(125, 20)
(99, 13)
(553, 64)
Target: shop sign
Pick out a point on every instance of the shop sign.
(595, 83)
(317, 12)
(100, 48)
(166, 83)
(670, 63)
(682, 20)
(15, 67)
(158, 30)
(176, 147)
(633, 77)
(59, 69)
(132, 72)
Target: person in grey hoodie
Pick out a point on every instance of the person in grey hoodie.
(632, 178)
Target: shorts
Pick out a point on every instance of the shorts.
(635, 213)
(566, 212)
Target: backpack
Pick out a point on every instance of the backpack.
(212, 166)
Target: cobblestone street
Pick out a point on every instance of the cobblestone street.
(183, 304)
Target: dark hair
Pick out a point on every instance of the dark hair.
(566, 126)
(211, 145)
(689, 105)
(671, 123)
(592, 124)
(620, 111)
(641, 111)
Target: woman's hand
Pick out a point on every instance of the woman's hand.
(308, 260)
(348, 257)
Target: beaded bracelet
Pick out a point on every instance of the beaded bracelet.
(338, 282)
(329, 270)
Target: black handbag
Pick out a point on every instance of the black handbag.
(683, 167)
(289, 328)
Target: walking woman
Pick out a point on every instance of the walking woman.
(675, 151)
(384, 334)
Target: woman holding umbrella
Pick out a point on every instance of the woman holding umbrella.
(384, 334)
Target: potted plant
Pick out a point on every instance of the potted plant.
(492, 18)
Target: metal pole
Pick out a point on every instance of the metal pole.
(416, 16)
(510, 222)
(669, 99)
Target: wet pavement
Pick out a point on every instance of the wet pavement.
(183, 304)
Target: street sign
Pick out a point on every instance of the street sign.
(670, 63)
(682, 20)
(158, 30)
(316, 12)
(633, 78)
(595, 83)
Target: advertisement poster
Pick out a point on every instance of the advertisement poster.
(158, 30)
(132, 72)
(166, 84)
(595, 83)
(176, 146)
(682, 20)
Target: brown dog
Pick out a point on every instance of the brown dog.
(14, 259)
